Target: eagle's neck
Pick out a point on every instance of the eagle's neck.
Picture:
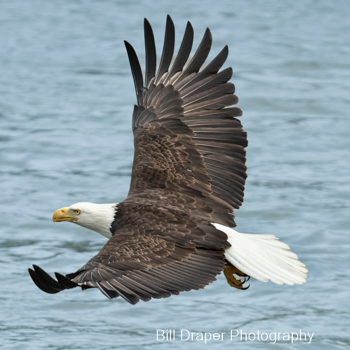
(98, 217)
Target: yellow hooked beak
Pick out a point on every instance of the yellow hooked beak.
(63, 215)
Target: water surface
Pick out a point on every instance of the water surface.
(65, 136)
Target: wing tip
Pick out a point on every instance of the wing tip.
(66, 282)
(39, 282)
(47, 284)
(208, 32)
(127, 44)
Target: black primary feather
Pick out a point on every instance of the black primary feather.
(151, 55)
(136, 71)
(168, 48)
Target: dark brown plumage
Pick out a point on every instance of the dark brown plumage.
(188, 172)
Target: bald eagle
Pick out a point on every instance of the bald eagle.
(174, 231)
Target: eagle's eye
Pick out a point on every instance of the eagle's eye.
(77, 211)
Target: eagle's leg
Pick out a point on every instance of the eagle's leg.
(230, 271)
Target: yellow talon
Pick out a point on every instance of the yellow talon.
(229, 271)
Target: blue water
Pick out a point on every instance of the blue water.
(66, 99)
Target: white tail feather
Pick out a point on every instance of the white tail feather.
(263, 257)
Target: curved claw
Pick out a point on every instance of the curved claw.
(230, 271)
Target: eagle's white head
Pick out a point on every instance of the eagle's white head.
(96, 217)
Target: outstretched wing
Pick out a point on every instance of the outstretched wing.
(156, 252)
(188, 172)
(186, 133)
